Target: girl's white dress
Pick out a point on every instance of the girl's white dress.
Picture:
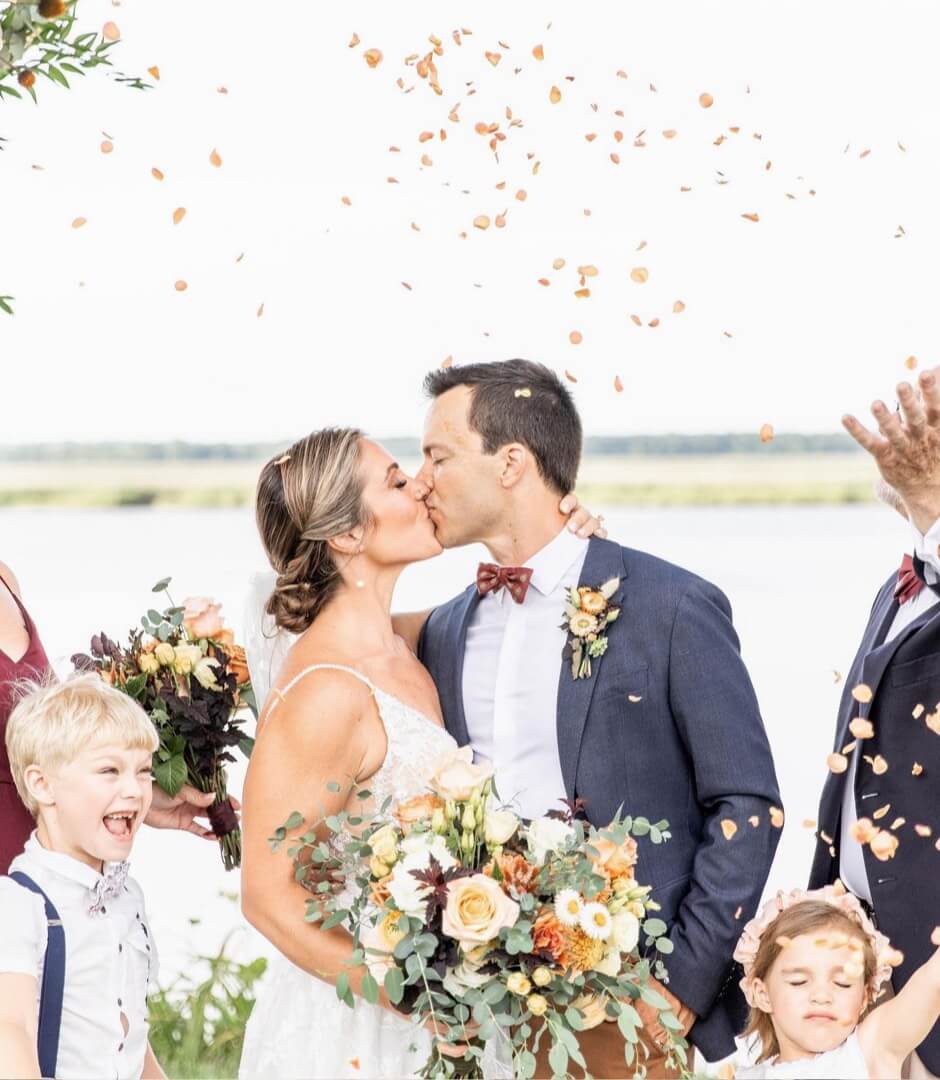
(846, 1062)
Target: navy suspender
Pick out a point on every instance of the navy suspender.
(53, 980)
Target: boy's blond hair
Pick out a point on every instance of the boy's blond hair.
(54, 721)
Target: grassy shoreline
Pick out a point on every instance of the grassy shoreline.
(629, 480)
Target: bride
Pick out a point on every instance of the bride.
(349, 705)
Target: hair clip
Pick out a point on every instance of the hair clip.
(282, 460)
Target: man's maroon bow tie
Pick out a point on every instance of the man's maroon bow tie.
(909, 584)
(491, 578)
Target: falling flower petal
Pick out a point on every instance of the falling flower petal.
(754, 821)
(916, 769)
(178, 214)
(809, 823)
(373, 57)
(156, 173)
(751, 217)
(923, 830)
(111, 32)
(570, 377)
(862, 693)
(881, 812)
(861, 728)
(106, 146)
(239, 258)
(615, 158)
(640, 275)
(447, 362)
(575, 337)
(776, 817)
(678, 307)
(670, 133)
(215, 159)
(493, 57)
(346, 201)
(354, 41)
(181, 286)
(706, 101)
(500, 220)
(879, 765)
(837, 763)
(221, 89)
(636, 319)
(558, 264)
(155, 72)
(522, 392)
(910, 363)
(407, 286)
(554, 95)
(588, 271)
(618, 384)
(538, 52)
(728, 827)
(78, 222)
(544, 281)
(481, 222)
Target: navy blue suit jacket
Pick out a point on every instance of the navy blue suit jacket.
(902, 674)
(692, 750)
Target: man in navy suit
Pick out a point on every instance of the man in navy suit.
(666, 725)
(879, 817)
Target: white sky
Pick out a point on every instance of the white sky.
(823, 302)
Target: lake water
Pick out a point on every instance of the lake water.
(800, 580)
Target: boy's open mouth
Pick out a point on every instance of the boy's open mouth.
(120, 824)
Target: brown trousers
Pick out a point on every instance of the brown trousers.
(603, 1051)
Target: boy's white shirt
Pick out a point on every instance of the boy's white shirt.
(110, 960)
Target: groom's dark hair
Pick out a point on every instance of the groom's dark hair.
(520, 401)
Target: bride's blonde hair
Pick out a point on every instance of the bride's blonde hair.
(305, 497)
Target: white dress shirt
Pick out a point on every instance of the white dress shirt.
(851, 859)
(109, 960)
(510, 679)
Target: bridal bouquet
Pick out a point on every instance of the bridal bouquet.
(188, 674)
(495, 927)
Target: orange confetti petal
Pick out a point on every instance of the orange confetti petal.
(670, 133)
(640, 275)
(923, 830)
(239, 258)
(215, 159)
(751, 217)
(554, 95)
(879, 765)
(78, 222)
(522, 195)
(178, 214)
(678, 307)
(618, 384)
(181, 286)
(447, 362)
(636, 319)
(910, 363)
(837, 763)
(575, 337)
(156, 173)
(155, 72)
(862, 693)
(544, 281)
(653, 322)
(861, 728)
(588, 271)
(728, 827)
(354, 41)
(615, 158)
(500, 221)
(373, 57)
(570, 377)
(493, 57)
(916, 769)
(706, 101)
(809, 823)
(221, 89)
(346, 201)
(582, 294)
(106, 146)
(754, 820)
(481, 222)
(881, 812)
(407, 286)
(260, 310)
(558, 264)
(425, 136)
(538, 52)
(111, 32)
(776, 817)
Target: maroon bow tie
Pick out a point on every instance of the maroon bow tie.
(909, 584)
(491, 578)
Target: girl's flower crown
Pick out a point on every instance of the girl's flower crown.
(745, 953)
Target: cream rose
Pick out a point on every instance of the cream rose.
(477, 909)
(626, 931)
(465, 976)
(409, 894)
(379, 942)
(547, 834)
(384, 844)
(498, 826)
(202, 616)
(593, 1008)
(616, 860)
(204, 672)
(455, 776)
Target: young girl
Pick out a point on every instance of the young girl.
(813, 964)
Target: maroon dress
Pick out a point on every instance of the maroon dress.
(16, 822)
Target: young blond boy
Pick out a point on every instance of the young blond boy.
(76, 955)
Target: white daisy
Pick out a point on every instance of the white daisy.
(595, 921)
(568, 907)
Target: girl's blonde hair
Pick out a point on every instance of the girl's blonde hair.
(806, 917)
(54, 721)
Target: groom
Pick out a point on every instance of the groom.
(667, 723)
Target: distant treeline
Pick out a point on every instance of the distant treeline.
(602, 445)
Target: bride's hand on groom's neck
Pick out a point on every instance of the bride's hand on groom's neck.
(580, 520)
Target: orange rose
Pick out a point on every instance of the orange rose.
(225, 638)
(417, 809)
(202, 616)
(549, 935)
(614, 860)
(238, 665)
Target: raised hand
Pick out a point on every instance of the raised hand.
(181, 810)
(907, 448)
(580, 519)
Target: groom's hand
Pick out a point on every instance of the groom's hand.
(907, 450)
(654, 1030)
(580, 519)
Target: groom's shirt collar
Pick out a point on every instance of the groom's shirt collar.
(550, 564)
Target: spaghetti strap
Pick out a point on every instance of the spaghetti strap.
(281, 694)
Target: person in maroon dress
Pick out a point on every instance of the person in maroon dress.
(22, 656)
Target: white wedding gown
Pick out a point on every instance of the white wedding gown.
(298, 1027)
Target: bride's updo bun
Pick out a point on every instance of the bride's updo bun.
(305, 497)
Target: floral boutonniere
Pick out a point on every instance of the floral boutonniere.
(588, 613)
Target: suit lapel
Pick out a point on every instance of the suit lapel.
(463, 611)
(604, 560)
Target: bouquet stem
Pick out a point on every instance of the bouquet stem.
(466, 1066)
(222, 817)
